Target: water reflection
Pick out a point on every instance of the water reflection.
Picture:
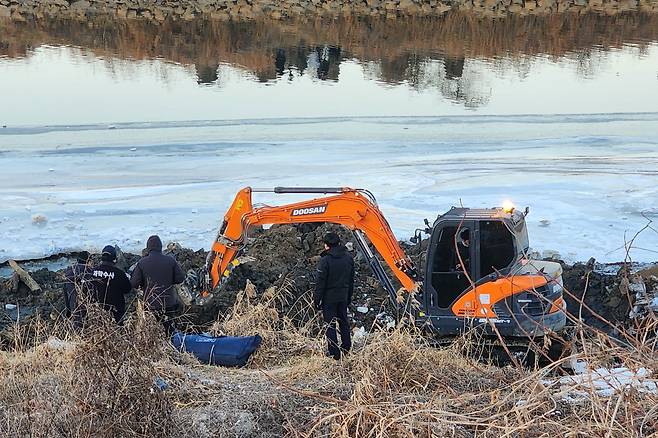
(274, 49)
(458, 57)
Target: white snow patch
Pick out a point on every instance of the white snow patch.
(362, 309)
(359, 334)
(603, 382)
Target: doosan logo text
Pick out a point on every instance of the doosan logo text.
(309, 210)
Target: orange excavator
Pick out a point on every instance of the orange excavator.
(477, 272)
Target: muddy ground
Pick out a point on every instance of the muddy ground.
(286, 257)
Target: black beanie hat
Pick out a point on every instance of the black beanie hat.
(82, 257)
(331, 239)
(154, 243)
(109, 254)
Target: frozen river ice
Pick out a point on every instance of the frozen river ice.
(590, 180)
(110, 137)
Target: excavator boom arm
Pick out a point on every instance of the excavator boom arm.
(354, 209)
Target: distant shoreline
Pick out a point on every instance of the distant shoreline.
(241, 10)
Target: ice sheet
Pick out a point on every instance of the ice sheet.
(590, 180)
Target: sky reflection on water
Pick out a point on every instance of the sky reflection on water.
(65, 78)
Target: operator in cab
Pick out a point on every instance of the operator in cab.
(111, 284)
(333, 293)
(463, 262)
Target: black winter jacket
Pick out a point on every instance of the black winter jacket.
(335, 280)
(110, 286)
(77, 282)
(156, 274)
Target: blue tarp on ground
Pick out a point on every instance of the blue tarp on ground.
(230, 351)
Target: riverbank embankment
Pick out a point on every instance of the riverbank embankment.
(162, 10)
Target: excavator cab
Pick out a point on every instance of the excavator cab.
(477, 273)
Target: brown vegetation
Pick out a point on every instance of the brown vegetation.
(108, 381)
(399, 46)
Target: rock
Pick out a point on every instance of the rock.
(17, 16)
(188, 15)
(407, 6)
(80, 5)
(649, 272)
(550, 254)
(39, 219)
(245, 424)
(5, 12)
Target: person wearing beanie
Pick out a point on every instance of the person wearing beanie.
(156, 274)
(333, 293)
(111, 284)
(77, 278)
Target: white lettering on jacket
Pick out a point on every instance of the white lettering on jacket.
(103, 274)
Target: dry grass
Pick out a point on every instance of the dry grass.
(98, 382)
(395, 384)
(285, 336)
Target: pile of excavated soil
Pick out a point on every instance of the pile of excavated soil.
(286, 256)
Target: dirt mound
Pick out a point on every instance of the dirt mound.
(603, 301)
(286, 256)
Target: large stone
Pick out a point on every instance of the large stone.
(188, 15)
(219, 15)
(391, 5)
(408, 6)
(80, 5)
(63, 3)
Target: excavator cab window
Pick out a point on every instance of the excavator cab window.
(448, 262)
(497, 251)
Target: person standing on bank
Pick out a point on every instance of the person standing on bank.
(333, 293)
(156, 274)
(75, 288)
(111, 284)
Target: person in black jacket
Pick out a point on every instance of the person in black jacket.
(333, 292)
(110, 284)
(156, 274)
(75, 287)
